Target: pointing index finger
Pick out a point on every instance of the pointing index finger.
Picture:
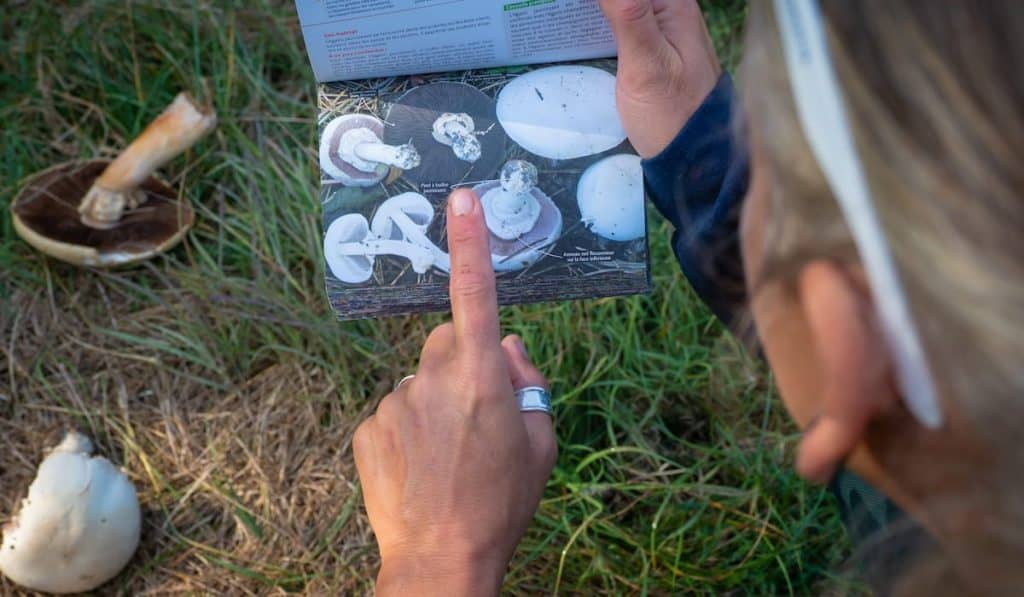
(473, 293)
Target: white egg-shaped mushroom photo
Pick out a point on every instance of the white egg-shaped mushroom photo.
(562, 112)
(611, 198)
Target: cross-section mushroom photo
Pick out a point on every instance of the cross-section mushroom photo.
(542, 147)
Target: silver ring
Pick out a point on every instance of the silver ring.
(534, 400)
(403, 381)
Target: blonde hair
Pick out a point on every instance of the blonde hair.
(935, 97)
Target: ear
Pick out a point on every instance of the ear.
(856, 371)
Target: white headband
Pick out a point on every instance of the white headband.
(823, 117)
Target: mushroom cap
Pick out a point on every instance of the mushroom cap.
(351, 269)
(611, 198)
(77, 528)
(45, 215)
(522, 252)
(414, 205)
(412, 117)
(519, 176)
(330, 159)
(562, 112)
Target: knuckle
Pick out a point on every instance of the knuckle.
(389, 409)
(654, 79)
(464, 235)
(470, 283)
(630, 10)
(440, 336)
(473, 384)
(471, 388)
(552, 454)
(548, 452)
(442, 332)
(362, 439)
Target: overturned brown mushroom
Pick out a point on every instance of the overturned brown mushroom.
(100, 213)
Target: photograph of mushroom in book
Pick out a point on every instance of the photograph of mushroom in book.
(543, 148)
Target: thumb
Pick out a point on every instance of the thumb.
(636, 30)
(539, 426)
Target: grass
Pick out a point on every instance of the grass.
(217, 377)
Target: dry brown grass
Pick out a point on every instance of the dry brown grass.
(241, 490)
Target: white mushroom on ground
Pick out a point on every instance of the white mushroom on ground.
(352, 152)
(458, 131)
(611, 198)
(78, 526)
(562, 112)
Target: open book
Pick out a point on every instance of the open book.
(419, 97)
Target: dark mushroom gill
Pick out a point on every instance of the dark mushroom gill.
(48, 205)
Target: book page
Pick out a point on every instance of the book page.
(359, 39)
(543, 147)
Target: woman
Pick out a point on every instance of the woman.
(452, 473)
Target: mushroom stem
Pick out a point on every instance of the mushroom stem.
(421, 257)
(512, 210)
(178, 128)
(510, 215)
(439, 258)
(403, 157)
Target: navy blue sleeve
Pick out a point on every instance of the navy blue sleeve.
(698, 183)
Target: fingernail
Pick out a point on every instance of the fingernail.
(522, 348)
(462, 203)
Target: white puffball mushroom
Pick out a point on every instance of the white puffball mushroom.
(77, 528)
(611, 198)
(562, 112)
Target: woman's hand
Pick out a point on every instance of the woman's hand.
(452, 472)
(667, 66)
